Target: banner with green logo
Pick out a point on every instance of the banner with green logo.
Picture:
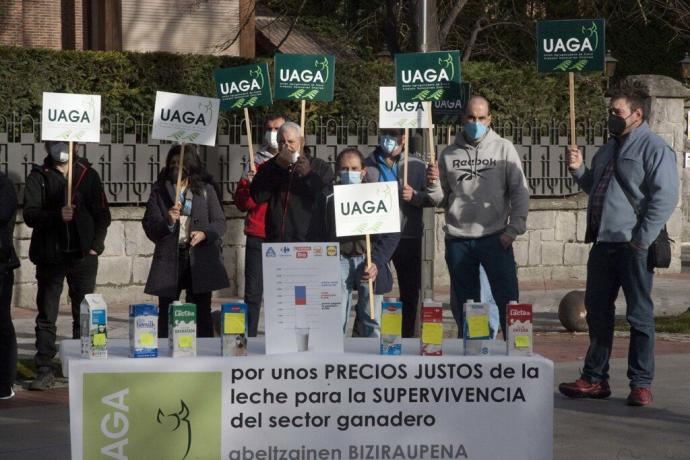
(243, 86)
(171, 415)
(304, 77)
(449, 111)
(571, 45)
(427, 76)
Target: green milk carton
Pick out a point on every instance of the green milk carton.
(181, 329)
(94, 335)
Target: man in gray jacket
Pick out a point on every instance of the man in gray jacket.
(484, 192)
(638, 163)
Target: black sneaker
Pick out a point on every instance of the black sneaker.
(6, 391)
(44, 379)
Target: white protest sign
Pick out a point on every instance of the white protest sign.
(355, 405)
(183, 118)
(302, 300)
(71, 117)
(394, 114)
(362, 209)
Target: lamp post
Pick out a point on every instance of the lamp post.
(685, 68)
(609, 67)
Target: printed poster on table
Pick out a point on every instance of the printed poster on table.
(571, 45)
(71, 117)
(304, 77)
(243, 86)
(302, 299)
(427, 76)
(183, 118)
(362, 209)
(394, 114)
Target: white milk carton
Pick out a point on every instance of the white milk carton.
(93, 328)
(391, 328)
(519, 319)
(143, 331)
(181, 329)
(476, 332)
(432, 328)
(233, 329)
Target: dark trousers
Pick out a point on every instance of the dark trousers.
(407, 260)
(81, 280)
(8, 339)
(463, 256)
(202, 300)
(253, 282)
(610, 267)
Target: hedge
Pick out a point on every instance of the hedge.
(128, 82)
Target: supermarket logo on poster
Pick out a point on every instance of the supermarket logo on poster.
(302, 254)
(331, 251)
(318, 251)
(270, 253)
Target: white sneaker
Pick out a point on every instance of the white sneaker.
(9, 396)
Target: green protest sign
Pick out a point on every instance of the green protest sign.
(304, 77)
(449, 111)
(243, 86)
(427, 76)
(571, 45)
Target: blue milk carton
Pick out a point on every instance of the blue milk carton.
(391, 328)
(476, 331)
(233, 329)
(143, 331)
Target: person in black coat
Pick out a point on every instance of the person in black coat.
(65, 243)
(188, 234)
(290, 183)
(8, 262)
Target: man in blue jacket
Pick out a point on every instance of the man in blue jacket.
(638, 163)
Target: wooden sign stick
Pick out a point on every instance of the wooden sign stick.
(304, 111)
(250, 142)
(70, 156)
(180, 164)
(571, 87)
(432, 151)
(406, 156)
(371, 282)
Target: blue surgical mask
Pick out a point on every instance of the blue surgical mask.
(388, 144)
(474, 131)
(350, 177)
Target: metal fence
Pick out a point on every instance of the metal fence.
(128, 161)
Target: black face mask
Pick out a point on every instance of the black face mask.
(617, 124)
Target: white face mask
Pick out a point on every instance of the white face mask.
(59, 152)
(294, 158)
(271, 139)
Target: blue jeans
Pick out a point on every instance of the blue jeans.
(610, 267)
(464, 256)
(351, 269)
(487, 297)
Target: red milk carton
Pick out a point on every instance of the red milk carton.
(432, 328)
(519, 319)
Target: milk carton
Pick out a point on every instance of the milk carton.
(94, 334)
(181, 329)
(432, 328)
(476, 332)
(143, 331)
(519, 319)
(391, 328)
(233, 329)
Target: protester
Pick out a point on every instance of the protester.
(254, 223)
(633, 190)
(187, 231)
(484, 192)
(8, 262)
(65, 243)
(355, 272)
(386, 164)
(290, 183)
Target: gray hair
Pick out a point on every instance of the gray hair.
(289, 126)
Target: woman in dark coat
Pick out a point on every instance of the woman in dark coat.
(188, 234)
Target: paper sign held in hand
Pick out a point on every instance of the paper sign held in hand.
(183, 118)
(362, 209)
(394, 114)
(71, 117)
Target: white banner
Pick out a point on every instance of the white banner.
(71, 117)
(183, 118)
(302, 299)
(394, 114)
(357, 405)
(370, 208)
